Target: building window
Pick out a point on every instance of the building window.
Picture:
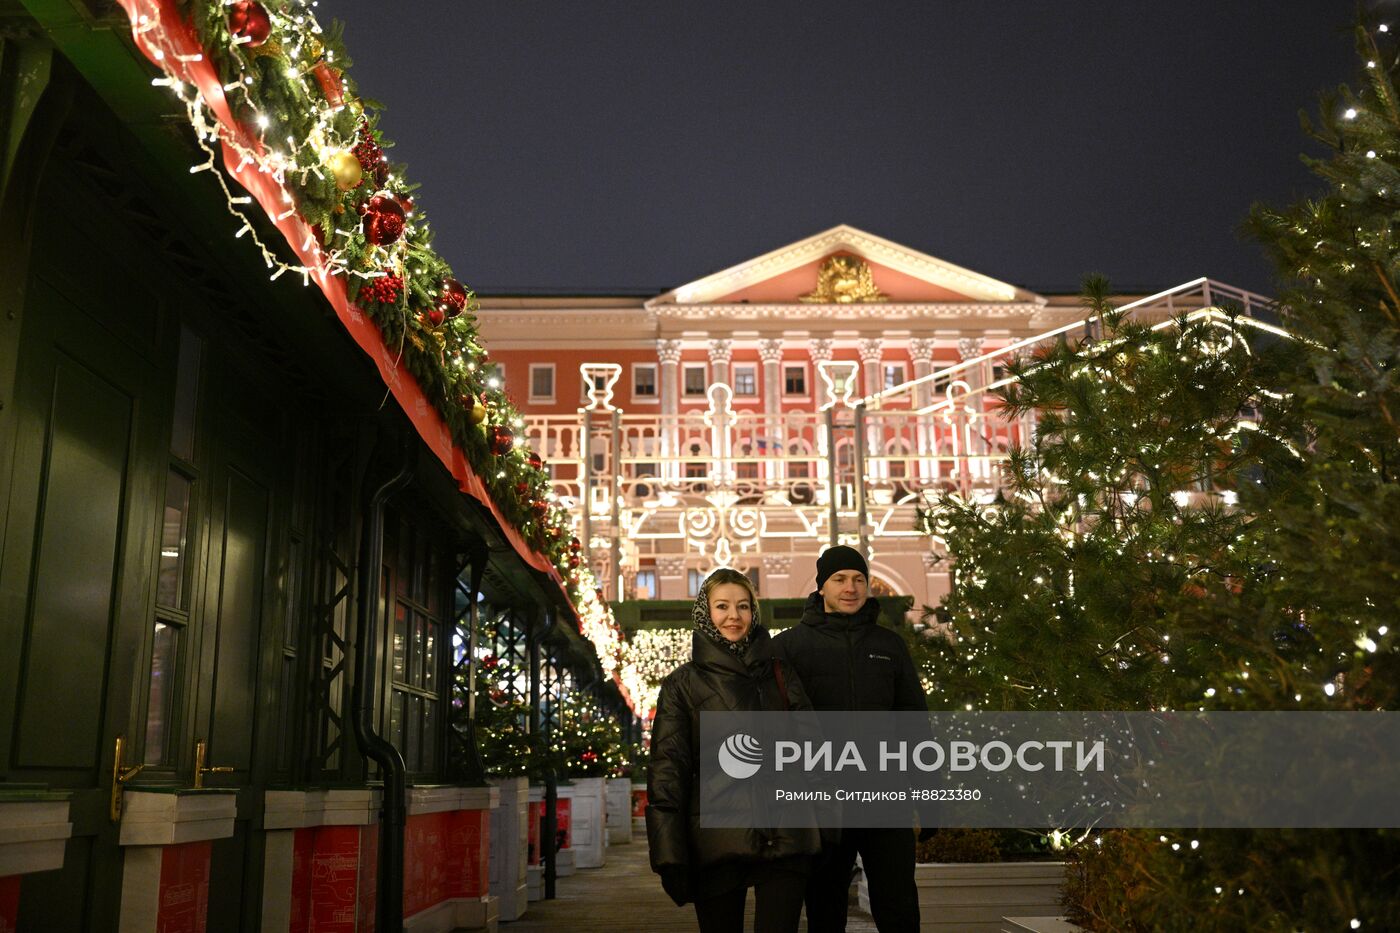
(695, 381)
(693, 579)
(894, 375)
(541, 382)
(745, 380)
(415, 579)
(644, 380)
(794, 380)
(646, 584)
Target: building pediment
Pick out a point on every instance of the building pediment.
(843, 267)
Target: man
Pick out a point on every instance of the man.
(848, 662)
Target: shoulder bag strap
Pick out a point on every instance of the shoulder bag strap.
(782, 687)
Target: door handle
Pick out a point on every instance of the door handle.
(199, 769)
(120, 776)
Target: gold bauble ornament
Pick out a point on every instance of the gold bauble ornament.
(346, 169)
(477, 413)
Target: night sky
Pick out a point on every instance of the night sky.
(617, 147)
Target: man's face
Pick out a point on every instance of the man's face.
(844, 591)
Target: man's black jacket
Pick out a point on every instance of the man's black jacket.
(848, 662)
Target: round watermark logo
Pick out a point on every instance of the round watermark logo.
(740, 756)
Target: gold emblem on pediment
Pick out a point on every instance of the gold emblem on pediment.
(845, 280)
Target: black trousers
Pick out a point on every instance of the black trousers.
(888, 858)
(777, 906)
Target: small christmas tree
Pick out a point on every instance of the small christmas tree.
(588, 742)
(502, 721)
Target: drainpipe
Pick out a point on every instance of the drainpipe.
(551, 786)
(373, 746)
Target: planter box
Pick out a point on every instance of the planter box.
(619, 811)
(510, 840)
(975, 897)
(587, 834)
(639, 808)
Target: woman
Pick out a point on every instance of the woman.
(731, 669)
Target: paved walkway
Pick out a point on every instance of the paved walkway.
(625, 897)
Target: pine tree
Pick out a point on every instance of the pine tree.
(502, 721)
(1297, 606)
(588, 742)
(1063, 585)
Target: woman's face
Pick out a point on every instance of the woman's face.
(731, 610)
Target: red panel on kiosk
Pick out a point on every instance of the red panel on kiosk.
(564, 809)
(369, 875)
(639, 803)
(183, 903)
(471, 836)
(428, 861)
(9, 904)
(335, 886)
(534, 819)
(303, 845)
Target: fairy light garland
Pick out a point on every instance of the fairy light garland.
(384, 259)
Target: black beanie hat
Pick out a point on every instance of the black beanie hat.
(837, 558)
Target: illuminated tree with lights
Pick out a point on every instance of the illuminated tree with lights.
(1297, 612)
(588, 742)
(502, 721)
(1122, 505)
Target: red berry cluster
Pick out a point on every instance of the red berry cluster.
(384, 289)
(370, 155)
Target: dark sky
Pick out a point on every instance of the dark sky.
(610, 146)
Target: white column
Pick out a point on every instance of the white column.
(975, 376)
(871, 352)
(775, 444)
(721, 353)
(819, 349)
(925, 435)
(669, 353)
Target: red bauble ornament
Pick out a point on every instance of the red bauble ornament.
(589, 756)
(383, 220)
(248, 21)
(575, 560)
(490, 661)
(502, 440)
(454, 297)
(522, 489)
(536, 461)
(432, 318)
(541, 508)
(575, 545)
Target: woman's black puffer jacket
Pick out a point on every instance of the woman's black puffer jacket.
(714, 679)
